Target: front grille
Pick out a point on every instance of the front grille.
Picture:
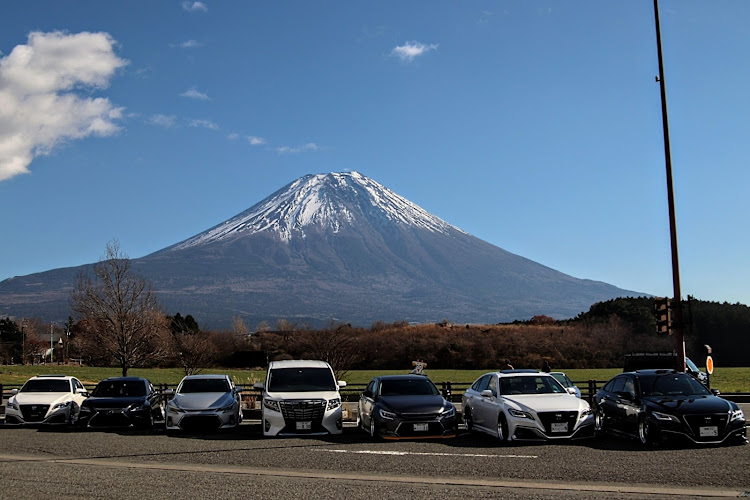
(420, 416)
(303, 410)
(558, 417)
(107, 418)
(718, 420)
(200, 422)
(34, 413)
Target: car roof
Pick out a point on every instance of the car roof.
(661, 371)
(410, 376)
(65, 377)
(210, 375)
(525, 372)
(126, 379)
(298, 363)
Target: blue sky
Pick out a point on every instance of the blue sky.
(534, 125)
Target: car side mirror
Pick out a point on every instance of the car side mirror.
(486, 393)
(367, 393)
(85, 394)
(169, 392)
(715, 392)
(571, 390)
(238, 390)
(13, 392)
(341, 384)
(259, 386)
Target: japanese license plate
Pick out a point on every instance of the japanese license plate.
(711, 431)
(559, 427)
(304, 426)
(421, 427)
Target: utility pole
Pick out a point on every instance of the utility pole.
(677, 324)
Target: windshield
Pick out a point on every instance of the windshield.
(408, 387)
(301, 380)
(672, 384)
(192, 385)
(691, 366)
(529, 385)
(46, 385)
(120, 389)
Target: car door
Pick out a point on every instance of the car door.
(630, 406)
(609, 403)
(484, 407)
(367, 403)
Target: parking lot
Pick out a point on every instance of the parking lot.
(128, 464)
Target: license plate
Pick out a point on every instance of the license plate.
(421, 427)
(712, 431)
(304, 426)
(559, 427)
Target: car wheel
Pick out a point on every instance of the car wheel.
(502, 427)
(373, 432)
(598, 420)
(468, 420)
(646, 431)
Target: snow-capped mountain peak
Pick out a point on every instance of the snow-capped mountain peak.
(328, 201)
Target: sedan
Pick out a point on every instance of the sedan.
(652, 405)
(204, 402)
(46, 399)
(525, 405)
(122, 402)
(406, 406)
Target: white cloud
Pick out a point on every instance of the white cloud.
(190, 44)
(205, 124)
(194, 94)
(410, 50)
(310, 146)
(166, 121)
(194, 6)
(39, 104)
(256, 141)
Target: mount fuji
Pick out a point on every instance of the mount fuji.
(333, 247)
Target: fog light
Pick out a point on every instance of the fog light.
(338, 424)
(267, 425)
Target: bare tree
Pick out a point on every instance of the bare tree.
(193, 348)
(123, 317)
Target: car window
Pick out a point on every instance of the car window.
(481, 383)
(493, 385)
(672, 384)
(203, 385)
(618, 385)
(120, 389)
(46, 385)
(301, 380)
(372, 386)
(629, 387)
(408, 387)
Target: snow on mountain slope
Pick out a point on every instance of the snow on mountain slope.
(322, 200)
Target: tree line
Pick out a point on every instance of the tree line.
(118, 322)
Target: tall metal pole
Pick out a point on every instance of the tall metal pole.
(677, 328)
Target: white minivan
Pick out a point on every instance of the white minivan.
(301, 397)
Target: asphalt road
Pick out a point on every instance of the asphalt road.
(51, 463)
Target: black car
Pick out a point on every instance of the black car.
(122, 402)
(656, 404)
(406, 406)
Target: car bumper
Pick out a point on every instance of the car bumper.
(412, 429)
(60, 416)
(113, 418)
(734, 431)
(548, 427)
(204, 420)
(301, 424)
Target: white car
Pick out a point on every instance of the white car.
(567, 383)
(301, 397)
(525, 405)
(46, 399)
(204, 402)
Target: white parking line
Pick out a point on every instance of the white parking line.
(406, 453)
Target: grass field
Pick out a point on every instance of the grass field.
(727, 380)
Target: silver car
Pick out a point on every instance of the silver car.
(204, 402)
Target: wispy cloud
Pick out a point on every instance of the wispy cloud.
(411, 50)
(310, 146)
(194, 94)
(195, 6)
(189, 44)
(256, 141)
(40, 108)
(204, 123)
(166, 121)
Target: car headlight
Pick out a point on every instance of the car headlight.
(271, 404)
(173, 408)
(388, 415)
(86, 409)
(334, 403)
(226, 409)
(447, 411)
(586, 413)
(736, 415)
(12, 404)
(64, 404)
(519, 414)
(665, 417)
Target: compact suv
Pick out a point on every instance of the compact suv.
(406, 406)
(656, 404)
(301, 397)
(122, 402)
(46, 399)
(525, 405)
(204, 402)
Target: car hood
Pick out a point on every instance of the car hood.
(304, 395)
(547, 402)
(113, 402)
(203, 400)
(42, 398)
(413, 404)
(680, 405)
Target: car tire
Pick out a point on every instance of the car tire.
(502, 427)
(646, 431)
(373, 432)
(468, 420)
(598, 420)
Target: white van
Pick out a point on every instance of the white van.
(301, 397)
